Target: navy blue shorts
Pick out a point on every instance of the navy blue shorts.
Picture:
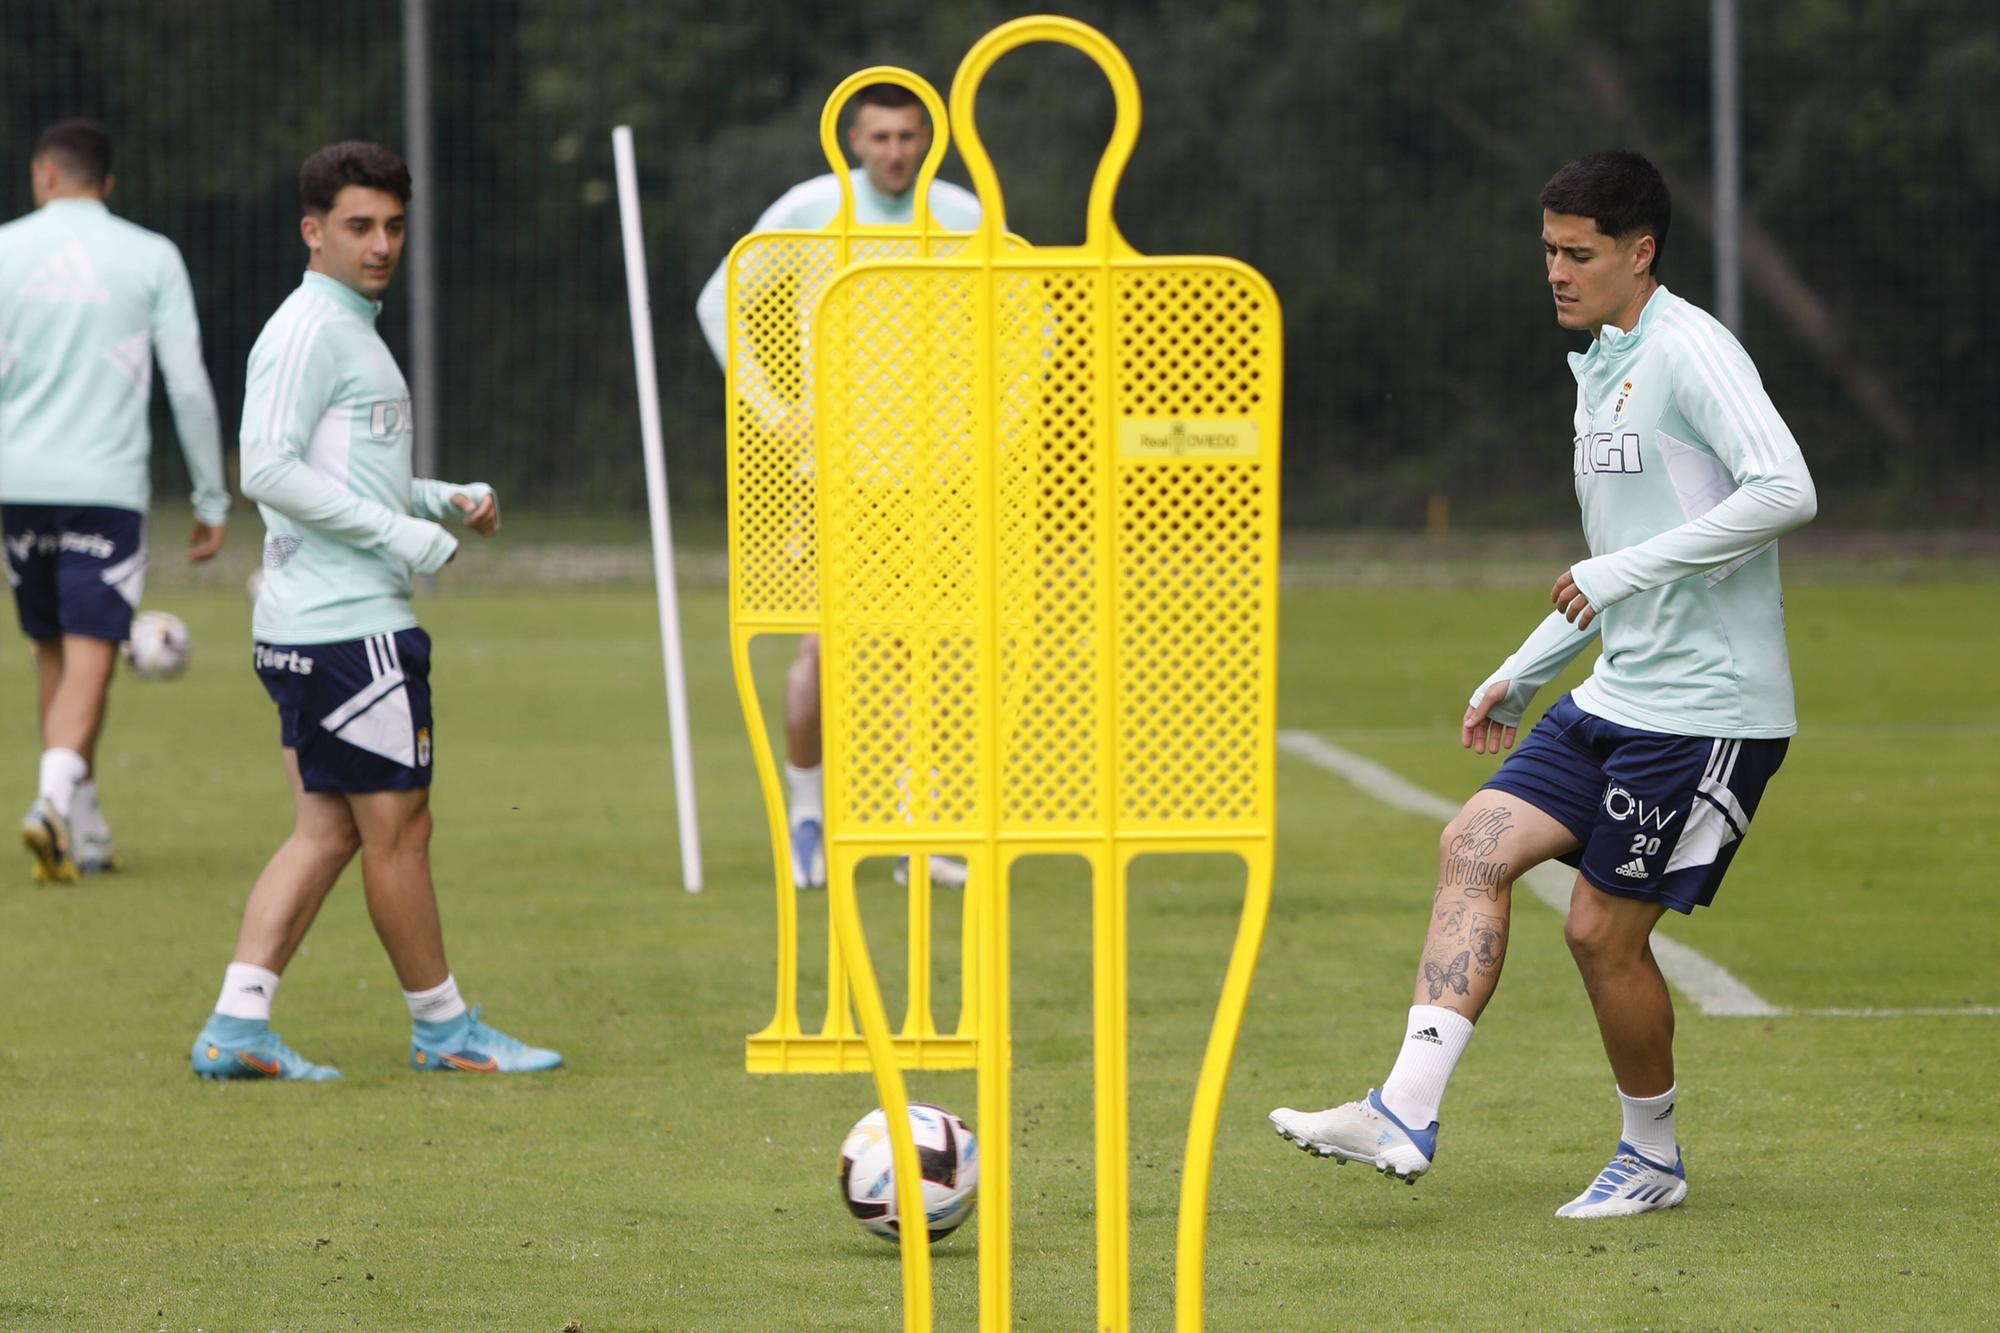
(358, 712)
(75, 569)
(1659, 816)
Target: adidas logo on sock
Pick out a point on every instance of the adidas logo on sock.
(1633, 869)
(1428, 1034)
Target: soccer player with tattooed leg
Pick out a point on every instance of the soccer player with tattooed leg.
(327, 445)
(1646, 776)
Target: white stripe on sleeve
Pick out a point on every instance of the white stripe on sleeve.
(1725, 385)
(291, 372)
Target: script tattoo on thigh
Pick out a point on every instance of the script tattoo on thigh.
(1469, 866)
(1489, 939)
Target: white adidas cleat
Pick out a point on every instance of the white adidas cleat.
(1630, 1184)
(1363, 1131)
(97, 853)
(947, 872)
(808, 854)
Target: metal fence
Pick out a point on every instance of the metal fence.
(1378, 160)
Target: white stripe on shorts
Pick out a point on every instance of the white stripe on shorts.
(385, 683)
(1714, 753)
(1715, 819)
(1734, 750)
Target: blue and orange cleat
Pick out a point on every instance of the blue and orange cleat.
(470, 1046)
(247, 1048)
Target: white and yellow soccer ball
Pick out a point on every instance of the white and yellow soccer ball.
(159, 646)
(947, 1152)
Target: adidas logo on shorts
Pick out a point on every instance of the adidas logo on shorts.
(1633, 869)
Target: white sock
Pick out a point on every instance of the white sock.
(807, 799)
(1414, 1090)
(439, 1004)
(247, 992)
(85, 815)
(1649, 1125)
(62, 770)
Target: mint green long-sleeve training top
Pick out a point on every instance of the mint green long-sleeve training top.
(87, 301)
(1687, 477)
(810, 205)
(327, 440)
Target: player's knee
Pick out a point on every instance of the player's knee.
(333, 842)
(416, 834)
(1581, 939)
(1595, 940)
(396, 829)
(1458, 835)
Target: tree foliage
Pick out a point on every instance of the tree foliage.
(1379, 159)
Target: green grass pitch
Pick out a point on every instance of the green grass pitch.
(1843, 1169)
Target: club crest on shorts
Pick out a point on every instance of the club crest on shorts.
(423, 747)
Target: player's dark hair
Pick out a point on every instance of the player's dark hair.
(81, 148)
(1620, 191)
(892, 95)
(355, 162)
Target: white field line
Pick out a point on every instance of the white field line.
(1700, 978)
(1964, 1011)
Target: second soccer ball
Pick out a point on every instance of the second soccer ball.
(159, 646)
(947, 1153)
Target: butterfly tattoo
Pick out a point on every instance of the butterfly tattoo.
(1441, 979)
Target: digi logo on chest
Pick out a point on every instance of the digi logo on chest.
(389, 418)
(1604, 451)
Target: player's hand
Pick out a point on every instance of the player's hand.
(205, 542)
(1481, 735)
(484, 517)
(1569, 600)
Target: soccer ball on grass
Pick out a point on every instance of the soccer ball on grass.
(947, 1153)
(159, 646)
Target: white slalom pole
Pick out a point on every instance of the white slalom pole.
(656, 503)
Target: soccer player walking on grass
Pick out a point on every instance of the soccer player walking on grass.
(327, 438)
(890, 135)
(1646, 776)
(87, 301)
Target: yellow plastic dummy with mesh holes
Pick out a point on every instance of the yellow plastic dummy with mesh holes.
(774, 283)
(1049, 570)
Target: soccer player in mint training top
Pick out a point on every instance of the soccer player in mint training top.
(890, 135)
(1646, 776)
(327, 437)
(87, 301)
